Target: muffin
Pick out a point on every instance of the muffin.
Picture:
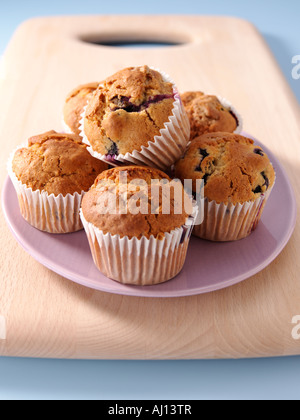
(209, 113)
(238, 179)
(138, 225)
(136, 117)
(50, 176)
(74, 106)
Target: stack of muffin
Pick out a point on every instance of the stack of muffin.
(124, 135)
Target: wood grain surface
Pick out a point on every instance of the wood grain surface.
(45, 315)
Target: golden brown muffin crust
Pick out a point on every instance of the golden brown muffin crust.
(133, 225)
(75, 103)
(56, 163)
(207, 114)
(128, 110)
(233, 168)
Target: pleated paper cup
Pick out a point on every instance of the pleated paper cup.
(229, 222)
(164, 150)
(234, 112)
(47, 212)
(139, 262)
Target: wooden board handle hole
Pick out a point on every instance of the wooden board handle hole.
(135, 41)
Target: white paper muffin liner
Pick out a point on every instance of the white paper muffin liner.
(140, 262)
(238, 116)
(229, 222)
(47, 212)
(166, 148)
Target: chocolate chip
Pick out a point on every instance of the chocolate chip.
(257, 190)
(124, 103)
(267, 182)
(204, 153)
(114, 150)
(258, 152)
(120, 101)
(132, 108)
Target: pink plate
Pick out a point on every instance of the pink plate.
(209, 266)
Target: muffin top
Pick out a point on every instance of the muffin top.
(75, 103)
(136, 202)
(128, 110)
(56, 163)
(233, 168)
(207, 114)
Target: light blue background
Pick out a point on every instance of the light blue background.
(277, 378)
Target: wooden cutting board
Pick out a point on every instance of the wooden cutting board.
(45, 315)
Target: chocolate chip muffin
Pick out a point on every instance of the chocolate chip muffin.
(208, 113)
(134, 240)
(238, 178)
(51, 175)
(125, 116)
(74, 106)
